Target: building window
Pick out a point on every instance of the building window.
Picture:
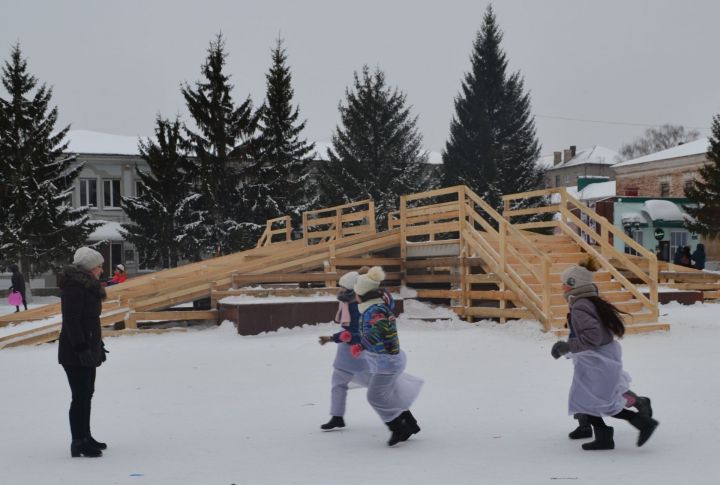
(631, 192)
(688, 184)
(678, 239)
(111, 193)
(557, 180)
(664, 189)
(139, 191)
(88, 192)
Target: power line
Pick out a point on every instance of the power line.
(606, 122)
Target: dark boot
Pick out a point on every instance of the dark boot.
(96, 444)
(603, 439)
(410, 422)
(335, 422)
(583, 431)
(645, 425)
(400, 430)
(642, 404)
(81, 447)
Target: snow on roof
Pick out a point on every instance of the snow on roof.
(663, 210)
(598, 190)
(83, 141)
(593, 155)
(631, 217)
(545, 161)
(696, 147)
(108, 231)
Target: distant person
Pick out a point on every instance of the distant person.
(18, 284)
(677, 257)
(698, 257)
(686, 258)
(81, 349)
(120, 275)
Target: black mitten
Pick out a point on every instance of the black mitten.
(559, 349)
(87, 359)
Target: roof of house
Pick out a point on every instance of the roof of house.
(84, 141)
(696, 147)
(596, 155)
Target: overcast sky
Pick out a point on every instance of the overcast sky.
(115, 65)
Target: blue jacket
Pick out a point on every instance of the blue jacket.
(353, 327)
(378, 330)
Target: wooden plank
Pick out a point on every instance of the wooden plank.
(432, 228)
(373, 261)
(483, 278)
(449, 294)
(492, 295)
(532, 210)
(433, 193)
(175, 315)
(532, 193)
(241, 279)
(711, 295)
(490, 312)
(432, 278)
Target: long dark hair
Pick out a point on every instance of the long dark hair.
(609, 315)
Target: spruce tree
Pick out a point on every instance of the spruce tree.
(492, 146)
(39, 228)
(280, 172)
(705, 191)
(164, 213)
(223, 142)
(377, 152)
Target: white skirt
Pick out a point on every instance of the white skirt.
(344, 360)
(599, 381)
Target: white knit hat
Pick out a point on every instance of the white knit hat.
(370, 281)
(576, 276)
(348, 280)
(87, 258)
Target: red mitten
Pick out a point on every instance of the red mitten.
(355, 350)
(345, 336)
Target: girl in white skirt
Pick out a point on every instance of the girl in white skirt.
(390, 391)
(599, 382)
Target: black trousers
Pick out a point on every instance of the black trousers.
(82, 386)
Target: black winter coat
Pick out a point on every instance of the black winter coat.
(17, 280)
(81, 297)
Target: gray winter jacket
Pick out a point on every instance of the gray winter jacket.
(586, 329)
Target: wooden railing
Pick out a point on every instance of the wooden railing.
(284, 229)
(454, 214)
(334, 223)
(597, 231)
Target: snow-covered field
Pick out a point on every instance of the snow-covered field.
(212, 407)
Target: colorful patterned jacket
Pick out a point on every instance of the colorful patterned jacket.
(378, 332)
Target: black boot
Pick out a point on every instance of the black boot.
(96, 444)
(603, 439)
(410, 422)
(335, 422)
(642, 404)
(645, 425)
(583, 431)
(400, 430)
(81, 447)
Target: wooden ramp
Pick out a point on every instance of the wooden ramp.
(449, 244)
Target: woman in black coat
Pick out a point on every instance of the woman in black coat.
(18, 284)
(81, 349)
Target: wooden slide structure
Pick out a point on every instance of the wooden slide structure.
(448, 245)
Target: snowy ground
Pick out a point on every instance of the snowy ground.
(212, 407)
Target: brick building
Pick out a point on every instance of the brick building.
(661, 174)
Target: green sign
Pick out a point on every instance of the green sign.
(659, 234)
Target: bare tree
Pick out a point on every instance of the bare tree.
(657, 139)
